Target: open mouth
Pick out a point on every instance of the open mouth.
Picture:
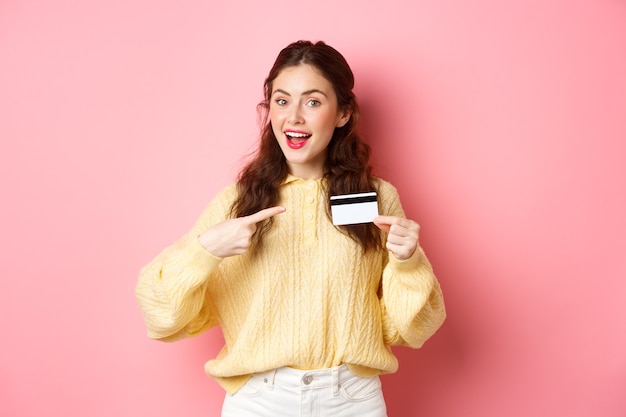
(296, 140)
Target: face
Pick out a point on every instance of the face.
(304, 114)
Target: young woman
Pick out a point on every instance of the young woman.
(308, 309)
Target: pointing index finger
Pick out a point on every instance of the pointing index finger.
(264, 214)
(391, 220)
(385, 222)
(383, 219)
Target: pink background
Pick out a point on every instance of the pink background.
(503, 125)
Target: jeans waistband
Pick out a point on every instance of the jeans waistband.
(307, 379)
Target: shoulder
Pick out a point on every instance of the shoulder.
(388, 198)
(385, 188)
(218, 208)
(228, 193)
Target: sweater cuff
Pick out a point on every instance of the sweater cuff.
(200, 257)
(407, 265)
(189, 270)
(196, 264)
(413, 271)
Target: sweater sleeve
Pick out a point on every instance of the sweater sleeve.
(411, 300)
(172, 288)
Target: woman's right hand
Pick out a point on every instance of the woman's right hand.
(233, 236)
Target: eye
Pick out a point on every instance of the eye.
(313, 103)
(281, 101)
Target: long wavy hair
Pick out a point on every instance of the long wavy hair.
(347, 168)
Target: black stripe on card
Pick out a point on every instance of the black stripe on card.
(353, 200)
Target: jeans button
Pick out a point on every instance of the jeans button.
(307, 379)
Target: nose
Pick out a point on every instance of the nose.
(295, 115)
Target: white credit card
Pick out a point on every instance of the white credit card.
(353, 208)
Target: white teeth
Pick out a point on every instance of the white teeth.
(297, 135)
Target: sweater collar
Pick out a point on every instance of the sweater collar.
(291, 178)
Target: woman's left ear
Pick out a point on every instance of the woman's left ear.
(344, 117)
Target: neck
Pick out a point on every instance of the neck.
(306, 173)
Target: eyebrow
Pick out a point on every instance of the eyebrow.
(304, 93)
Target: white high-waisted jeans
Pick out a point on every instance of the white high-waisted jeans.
(288, 392)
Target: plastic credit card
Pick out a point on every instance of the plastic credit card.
(353, 208)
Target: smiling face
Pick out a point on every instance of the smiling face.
(304, 113)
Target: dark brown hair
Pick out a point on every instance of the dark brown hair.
(346, 170)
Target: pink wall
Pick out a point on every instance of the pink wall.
(503, 124)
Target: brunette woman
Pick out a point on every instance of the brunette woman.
(308, 309)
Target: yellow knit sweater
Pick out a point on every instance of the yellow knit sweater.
(308, 299)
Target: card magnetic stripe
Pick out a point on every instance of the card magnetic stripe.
(353, 200)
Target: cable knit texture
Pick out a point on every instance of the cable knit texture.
(308, 298)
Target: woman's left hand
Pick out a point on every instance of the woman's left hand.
(403, 235)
